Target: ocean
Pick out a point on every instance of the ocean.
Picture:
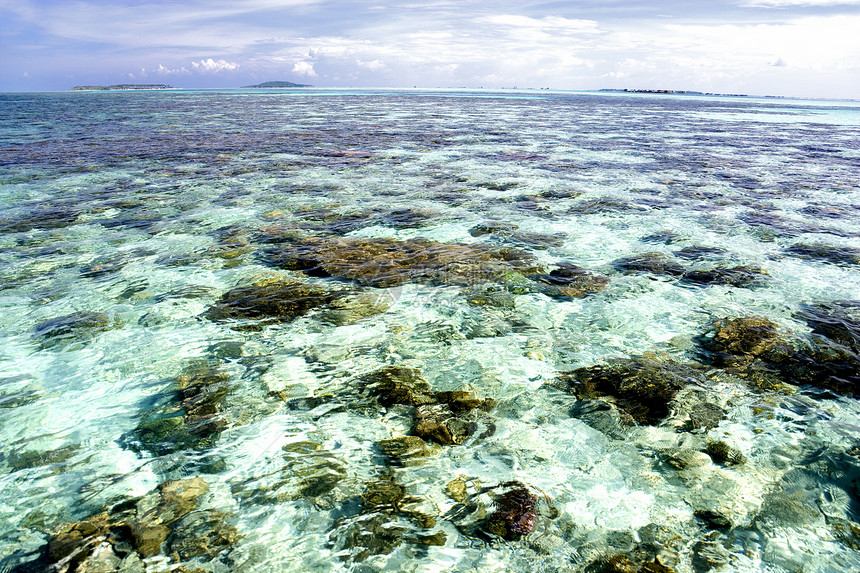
(411, 330)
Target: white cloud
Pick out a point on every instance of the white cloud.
(555, 23)
(210, 65)
(304, 69)
(577, 44)
(165, 71)
(818, 43)
(796, 3)
(373, 65)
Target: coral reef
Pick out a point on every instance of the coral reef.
(388, 262)
(642, 387)
(165, 521)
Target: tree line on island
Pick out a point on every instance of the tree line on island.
(121, 87)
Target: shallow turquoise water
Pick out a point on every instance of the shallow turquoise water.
(125, 216)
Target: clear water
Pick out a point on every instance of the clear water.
(129, 204)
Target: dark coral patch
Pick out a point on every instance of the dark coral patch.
(642, 387)
(652, 262)
(826, 253)
(515, 512)
(740, 276)
(571, 281)
(388, 262)
(278, 301)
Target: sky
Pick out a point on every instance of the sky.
(800, 48)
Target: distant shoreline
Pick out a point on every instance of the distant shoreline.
(122, 87)
(290, 85)
(277, 84)
(678, 92)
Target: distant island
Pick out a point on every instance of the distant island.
(121, 87)
(671, 92)
(279, 84)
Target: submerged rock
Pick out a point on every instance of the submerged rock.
(104, 266)
(830, 211)
(456, 489)
(571, 281)
(81, 325)
(837, 255)
(709, 555)
(442, 417)
(202, 534)
(509, 510)
(72, 541)
(704, 416)
(269, 302)
(665, 237)
(349, 308)
(363, 536)
(388, 262)
(696, 253)
(540, 241)
(654, 263)
(449, 421)
(157, 511)
(438, 422)
(117, 540)
(491, 296)
(515, 512)
(832, 358)
(493, 228)
(407, 447)
(838, 321)
(34, 459)
(310, 473)
(336, 221)
(713, 519)
(642, 387)
(752, 348)
(398, 385)
(387, 520)
(740, 276)
(624, 564)
(41, 217)
(736, 342)
(601, 205)
(461, 401)
(191, 418)
(722, 453)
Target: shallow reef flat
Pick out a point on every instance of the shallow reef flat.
(428, 331)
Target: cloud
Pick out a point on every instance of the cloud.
(555, 23)
(165, 71)
(578, 44)
(373, 65)
(796, 3)
(210, 65)
(304, 69)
